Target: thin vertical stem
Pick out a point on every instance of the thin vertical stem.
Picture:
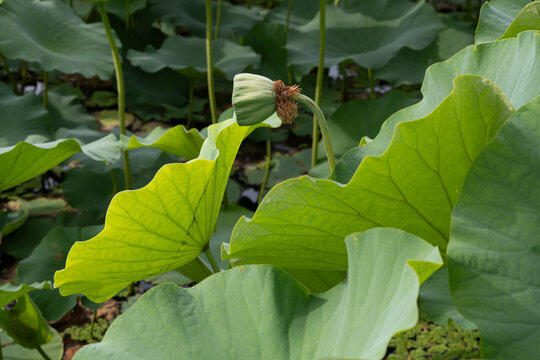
(336, 2)
(288, 18)
(1, 355)
(128, 15)
(266, 170)
(42, 353)
(320, 73)
(218, 18)
(10, 77)
(319, 115)
(248, 3)
(191, 99)
(120, 88)
(287, 25)
(45, 88)
(92, 322)
(346, 4)
(210, 63)
(372, 94)
(71, 3)
(210, 257)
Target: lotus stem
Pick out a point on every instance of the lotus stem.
(319, 116)
(128, 14)
(346, 4)
(191, 96)
(42, 353)
(9, 75)
(211, 259)
(120, 88)
(1, 355)
(318, 88)
(209, 62)
(266, 170)
(248, 3)
(288, 18)
(92, 322)
(336, 2)
(218, 18)
(45, 88)
(372, 94)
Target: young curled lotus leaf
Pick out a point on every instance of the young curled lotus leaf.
(268, 314)
(252, 98)
(160, 227)
(494, 249)
(414, 184)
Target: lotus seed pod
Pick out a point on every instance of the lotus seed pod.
(252, 99)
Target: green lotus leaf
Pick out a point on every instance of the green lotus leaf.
(437, 303)
(13, 109)
(501, 19)
(383, 35)
(188, 56)
(157, 228)
(494, 250)
(12, 351)
(235, 20)
(519, 57)
(48, 257)
(409, 66)
(268, 314)
(413, 186)
(25, 160)
(177, 141)
(10, 292)
(49, 33)
(25, 324)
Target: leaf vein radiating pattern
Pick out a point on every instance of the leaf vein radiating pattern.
(159, 227)
(411, 186)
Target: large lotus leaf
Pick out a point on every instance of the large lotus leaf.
(10, 292)
(191, 15)
(157, 228)
(25, 324)
(177, 140)
(516, 72)
(381, 39)
(413, 186)
(188, 56)
(12, 351)
(25, 160)
(501, 19)
(409, 66)
(267, 314)
(49, 33)
(494, 250)
(48, 257)
(21, 116)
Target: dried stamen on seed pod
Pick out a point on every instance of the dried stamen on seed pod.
(286, 97)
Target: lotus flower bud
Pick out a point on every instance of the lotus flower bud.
(255, 98)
